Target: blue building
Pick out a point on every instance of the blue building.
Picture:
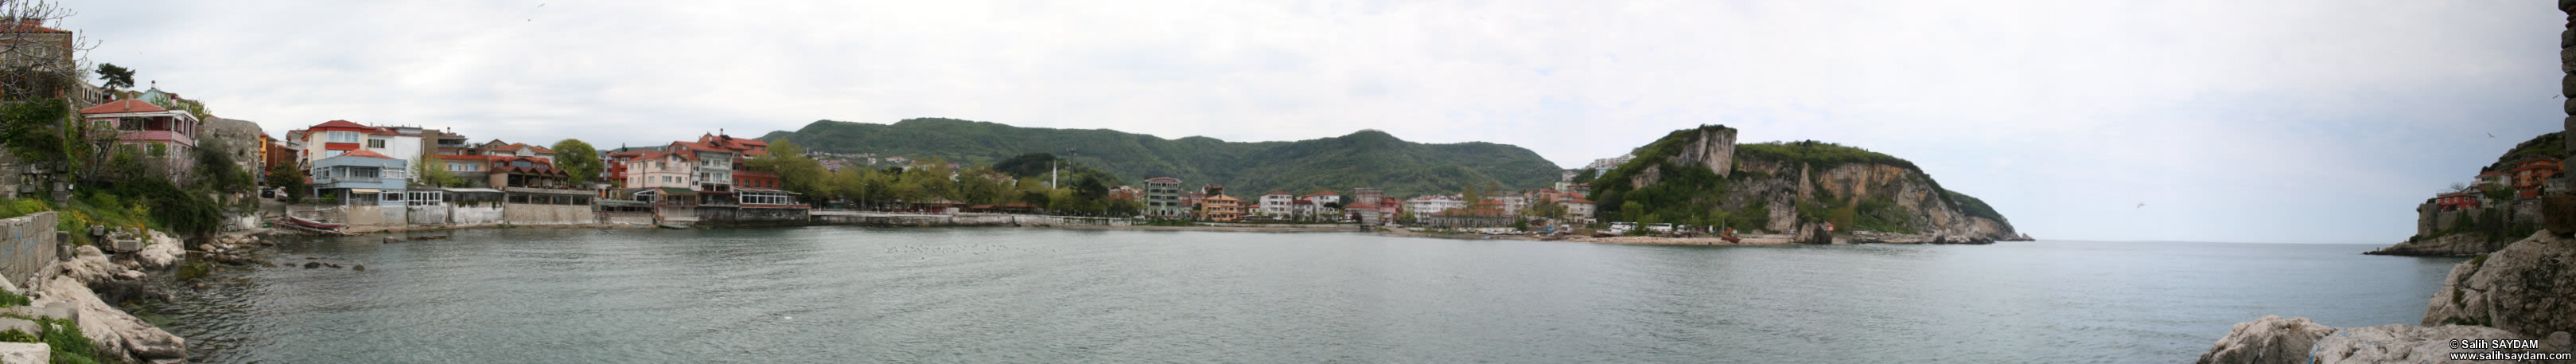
(361, 177)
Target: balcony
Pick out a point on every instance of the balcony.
(158, 136)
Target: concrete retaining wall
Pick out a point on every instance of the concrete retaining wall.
(534, 214)
(428, 215)
(967, 220)
(26, 245)
(625, 218)
(486, 214)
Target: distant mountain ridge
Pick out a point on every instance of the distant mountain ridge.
(1700, 176)
(1367, 158)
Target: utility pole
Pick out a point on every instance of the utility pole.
(1051, 175)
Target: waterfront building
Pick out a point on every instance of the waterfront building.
(1163, 198)
(1277, 203)
(138, 123)
(360, 177)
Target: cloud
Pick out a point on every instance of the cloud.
(2275, 120)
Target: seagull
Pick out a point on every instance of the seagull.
(2490, 134)
(2142, 205)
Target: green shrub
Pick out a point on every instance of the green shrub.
(12, 299)
(68, 343)
(15, 336)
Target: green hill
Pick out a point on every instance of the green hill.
(1367, 158)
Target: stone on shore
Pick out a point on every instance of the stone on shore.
(2271, 340)
(2528, 288)
(162, 253)
(26, 353)
(1813, 233)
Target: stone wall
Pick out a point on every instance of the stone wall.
(535, 214)
(27, 244)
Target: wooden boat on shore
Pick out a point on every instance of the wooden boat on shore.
(313, 226)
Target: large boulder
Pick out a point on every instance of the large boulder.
(112, 329)
(1813, 233)
(26, 353)
(2528, 288)
(162, 253)
(2399, 344)
(2271, 340)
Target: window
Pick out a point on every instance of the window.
(360, 172)
(342, 137)
(376, 143)
(332, 153)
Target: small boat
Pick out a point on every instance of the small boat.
(309, 225)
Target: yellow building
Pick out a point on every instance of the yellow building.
(1221, 208)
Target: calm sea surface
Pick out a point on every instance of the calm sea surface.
(1002, 295)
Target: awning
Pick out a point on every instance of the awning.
(363, 190)
(484, 190)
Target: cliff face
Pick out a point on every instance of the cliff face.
(1701, 177)
(2498, 219)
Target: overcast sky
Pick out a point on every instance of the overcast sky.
(2267, 121)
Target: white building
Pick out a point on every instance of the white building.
(1277, 203)
(1427, 205)
(332, 138)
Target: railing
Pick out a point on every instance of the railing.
(559, 191)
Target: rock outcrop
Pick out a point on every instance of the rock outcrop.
(2400, 344)
(2271, 340)
(2528, 288)
(2455, 245)
(111, 329)
(1704, 176)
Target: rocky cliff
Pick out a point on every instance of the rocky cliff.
(2501, 215)
(1702, 177)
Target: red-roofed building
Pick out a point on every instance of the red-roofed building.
(147, 126)
(331, 138)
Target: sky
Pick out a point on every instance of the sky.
(2235, 121)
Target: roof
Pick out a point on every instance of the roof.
(362, 153)
(122, 106)
(340, 124)
(517, 146)
(29, 27)
(1323, 193)
(1163, 179)
(1275, 192)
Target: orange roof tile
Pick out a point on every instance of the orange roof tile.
(123, 106)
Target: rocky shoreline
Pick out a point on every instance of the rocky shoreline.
(2525, 291)
(87, 289)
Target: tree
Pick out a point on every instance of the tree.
(796, 173)
(2498, 192)
(40, 65)
(285, 175)
(1586, 175)
(577, 159)
(433, 172)
(116, 77)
